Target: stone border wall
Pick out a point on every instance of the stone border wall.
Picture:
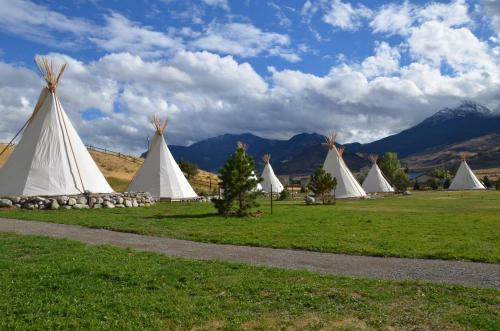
(82, 201)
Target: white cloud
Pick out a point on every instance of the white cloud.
(345, 16)
(120, 34)
(393, 19)
(458, 47)
(245, 40)
(385, 61)
(37, 22)
(217, 3)
(492, 10)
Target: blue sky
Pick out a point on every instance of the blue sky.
(275, 68)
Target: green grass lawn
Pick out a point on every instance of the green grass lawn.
(58, 284)
(444, 225)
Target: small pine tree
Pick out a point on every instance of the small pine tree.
(487, 182)
(238, 184)
(322, 183)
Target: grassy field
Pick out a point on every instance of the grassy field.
(58, 284)
(444, 225)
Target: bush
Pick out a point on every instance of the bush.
(416, 186)
(401, 180)
(284, 195)
(446, 183)
(433, 183)
(497, 186)
(487, 182)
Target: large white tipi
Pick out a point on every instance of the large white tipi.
(269, 179)
(347, 186)
(465, 178)
(375, 181)
(50, 158)
(160, 175)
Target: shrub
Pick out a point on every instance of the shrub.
(487, 182)
(284, 195)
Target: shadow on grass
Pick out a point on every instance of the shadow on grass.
(179, 216)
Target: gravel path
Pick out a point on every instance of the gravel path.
(454, 272)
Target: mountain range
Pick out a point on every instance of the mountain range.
(436, 140)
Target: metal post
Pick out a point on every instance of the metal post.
(271, 199)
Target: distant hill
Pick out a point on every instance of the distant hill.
(485, 152)
(448, 126)
(437, 139)
(301, 154)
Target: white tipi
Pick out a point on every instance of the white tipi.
(347, 186)
(465, 178)
(270, 181)
(50, 158)
(160, 175)
(375, 181)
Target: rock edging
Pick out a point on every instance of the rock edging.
(81, 201)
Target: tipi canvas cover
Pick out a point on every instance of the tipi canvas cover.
(160, 175)
(50, 158)
(347, 186)
(270, 181)
(375, 181)
(465, 178)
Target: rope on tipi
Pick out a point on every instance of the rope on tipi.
(266, 158)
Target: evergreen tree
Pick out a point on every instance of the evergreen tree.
(389, 165)
(237, 184)
(322, 183)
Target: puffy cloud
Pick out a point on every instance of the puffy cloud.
(245, 40)
(345, 16)
(457, 47)
(120, 34)
(393, 19)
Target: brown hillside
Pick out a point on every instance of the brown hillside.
(119, 171)
(485, 152)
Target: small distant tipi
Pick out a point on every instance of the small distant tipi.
(160, 175)
(375, 181)
(50, 158)
(347, 186)
(465, 178)
(270, 181)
